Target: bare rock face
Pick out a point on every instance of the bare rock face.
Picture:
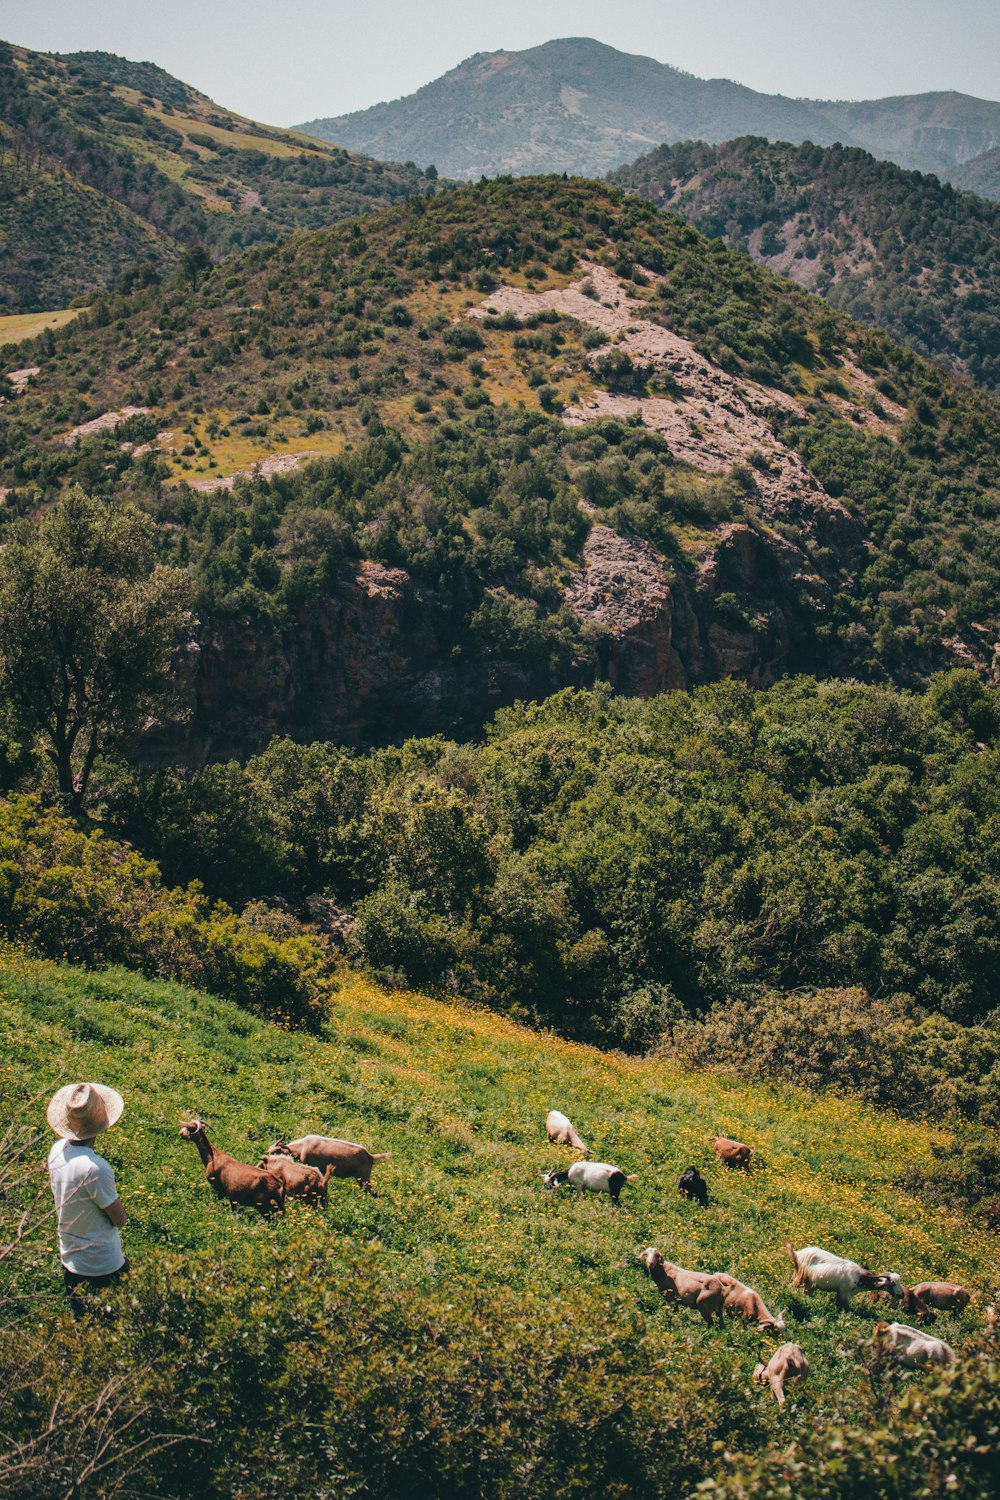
(669, 629)
(366, 664)
(624, 586)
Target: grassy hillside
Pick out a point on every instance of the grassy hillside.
(897, 249)
(111, 168)
(577, 105)
(465, 1330)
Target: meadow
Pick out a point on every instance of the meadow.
(465, 1330)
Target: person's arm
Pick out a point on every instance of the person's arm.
(106, 1196)
(115, 1212)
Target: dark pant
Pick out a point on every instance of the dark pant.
(73, 1283)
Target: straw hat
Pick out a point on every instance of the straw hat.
(82, 1110)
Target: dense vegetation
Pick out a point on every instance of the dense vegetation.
(368, 363)
(610, 867)
(577, 105)
(896, 249)
(109, 169)
(465, 1332)
(78, 895)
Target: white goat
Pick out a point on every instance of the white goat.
(817, 1270)
(591, 1177)
(560, 1131)
(911, 1346)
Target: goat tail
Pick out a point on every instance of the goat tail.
(381, 1156)
(797, 1278)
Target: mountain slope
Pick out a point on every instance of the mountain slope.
(893, 248)
(536, 463)
(108, 167)
(980, 175)
(465, 1332)
(577, 105)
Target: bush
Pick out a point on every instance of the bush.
(81, 896)
(886, 1051)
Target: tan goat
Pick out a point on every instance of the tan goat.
(733, 1153)
(705, 1293)
(786, 1363)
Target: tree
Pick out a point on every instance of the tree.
(87, 624)
(194, 261)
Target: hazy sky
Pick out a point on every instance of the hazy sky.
(284, 61)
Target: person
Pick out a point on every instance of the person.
(88, 1209)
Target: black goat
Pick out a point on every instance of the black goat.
(693, 1185)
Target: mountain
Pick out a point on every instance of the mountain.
(464, 1332)
(579, 106)
(980, 175)
(895, 248)
(109, 167)
(515, 437)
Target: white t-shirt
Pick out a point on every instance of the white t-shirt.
(82, 1184)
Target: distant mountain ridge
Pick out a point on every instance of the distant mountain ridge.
(898, 249)
(580, 106)
(109, 166)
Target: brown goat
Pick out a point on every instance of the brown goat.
(300, 1181)
(743, 1302)
(912, 1303)
(233, 1179)
(946, 1296)
(704, 1293)
(345, 1158)
(786, 1363)
(733, 1153)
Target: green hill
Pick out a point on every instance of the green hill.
(575, 104)
(897, 249)
(464, 1332)
(111, 168)
(559, 436)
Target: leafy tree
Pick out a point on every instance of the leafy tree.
(87, 622)
(194, 261)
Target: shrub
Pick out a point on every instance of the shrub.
(70, 894)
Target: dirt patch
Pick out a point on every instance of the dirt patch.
(107, 422)
(715, 421)
(266, 468)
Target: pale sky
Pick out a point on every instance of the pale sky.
(285, 61)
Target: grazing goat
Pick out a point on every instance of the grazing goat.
(300, 1181)
(693, 1185)
(817, 1270)
(743, 1302)
(733, 1153)
(232, 1179)
(704, 1292)
(591, 1177)
(911, 1347)
(560, 1131)
(946, 1296)
(344, 1158)
(911, 1303)
(786, 1363)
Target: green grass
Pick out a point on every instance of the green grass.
(465, 1333)
(459, 1097)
